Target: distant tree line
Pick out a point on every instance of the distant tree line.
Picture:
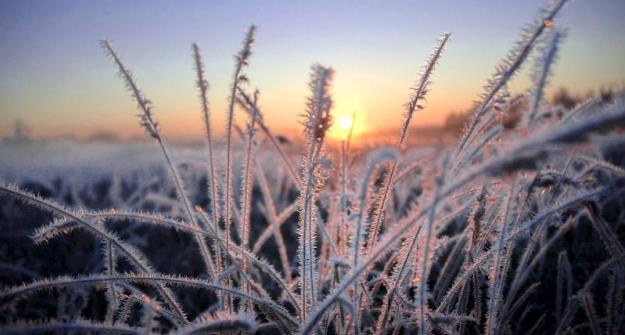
(455, 121)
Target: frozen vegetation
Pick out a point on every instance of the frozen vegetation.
(516, 228)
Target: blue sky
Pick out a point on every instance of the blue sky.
(54, 76)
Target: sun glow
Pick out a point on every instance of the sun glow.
(342, 126)
(349, 115)
(344, 123)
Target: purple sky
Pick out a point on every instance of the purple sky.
(54, 76)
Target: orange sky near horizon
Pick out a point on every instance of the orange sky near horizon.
(379, 111)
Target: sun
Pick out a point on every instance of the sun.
(342, 126)
(344, 123)
(348, 119)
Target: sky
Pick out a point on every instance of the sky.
(55, 77)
